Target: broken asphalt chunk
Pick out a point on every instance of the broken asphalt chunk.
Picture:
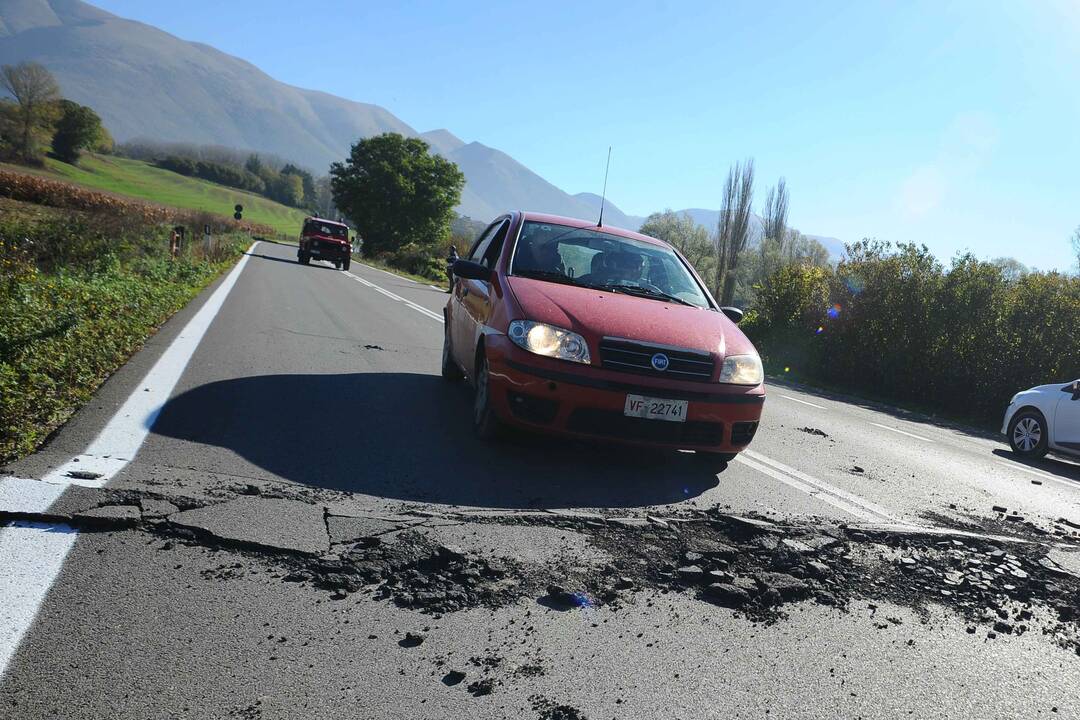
(83, 475)
(411, 640)
(109, 516)
(727, 594)
(454, 677)
(152, 508)
(272, 523)
(789, 587)
(690, 573)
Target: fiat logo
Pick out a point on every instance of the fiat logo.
(660, 362)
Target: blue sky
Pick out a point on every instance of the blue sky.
(950, 124)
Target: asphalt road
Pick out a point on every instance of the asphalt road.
(323, 385)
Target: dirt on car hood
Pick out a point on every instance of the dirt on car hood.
(596, 314)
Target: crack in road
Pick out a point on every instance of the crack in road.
(752, 566)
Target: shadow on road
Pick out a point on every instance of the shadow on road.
(409, 437)
(1051, 465)
(900, 413)
(292, 261)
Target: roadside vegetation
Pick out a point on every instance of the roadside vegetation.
(400, 199)
(137, 179)
(35, 118)
(80, 291)
(893, 323)
(887, 322)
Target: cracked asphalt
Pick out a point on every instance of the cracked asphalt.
(310, 530)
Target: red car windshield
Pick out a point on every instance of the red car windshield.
(327, 229)
(591, 258)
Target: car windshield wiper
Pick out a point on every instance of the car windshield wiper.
(550, 275)
(643, 292)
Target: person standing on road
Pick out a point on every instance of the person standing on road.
(451, 258)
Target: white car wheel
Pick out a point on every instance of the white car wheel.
(1028, 434)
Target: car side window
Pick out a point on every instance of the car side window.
(491, 253)
(481, 245)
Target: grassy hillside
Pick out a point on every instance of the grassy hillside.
(138, 179)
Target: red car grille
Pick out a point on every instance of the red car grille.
(634, 357)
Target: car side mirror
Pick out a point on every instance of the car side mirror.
(734, 314)
(1073, 389)
(471, 270)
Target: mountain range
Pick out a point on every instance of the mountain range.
(146, 83)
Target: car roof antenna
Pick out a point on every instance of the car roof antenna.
(600, 222)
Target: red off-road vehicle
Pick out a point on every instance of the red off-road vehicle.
(324, 240)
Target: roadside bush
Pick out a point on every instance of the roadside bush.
(894, 323)
(422, 260)
(79, 293)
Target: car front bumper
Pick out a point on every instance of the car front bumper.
(554, 396)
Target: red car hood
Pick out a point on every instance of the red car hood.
(596, 314)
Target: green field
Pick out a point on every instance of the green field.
(138, 179)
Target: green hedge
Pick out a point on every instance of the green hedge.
(74, 306)
(896, 324)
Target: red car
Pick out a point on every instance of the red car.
(324, 240)
(569, 328)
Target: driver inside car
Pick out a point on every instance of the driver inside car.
(616, 268)
(547, 258)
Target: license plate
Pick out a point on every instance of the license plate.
(652, 408)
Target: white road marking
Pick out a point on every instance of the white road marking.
(422, 310)
(804, 402)
(822, 490)
(902, 432)
(28, 496)
(121, 438)
(32, 554)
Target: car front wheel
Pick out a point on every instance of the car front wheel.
(1028, 434)
(450, 370)
(485, 422)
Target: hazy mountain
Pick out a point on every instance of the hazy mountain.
(498, 182)
(442, 141)
(612, 214)
(146, 83)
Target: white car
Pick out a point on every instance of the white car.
(1043, 419)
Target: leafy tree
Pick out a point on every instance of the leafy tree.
(104, 143)
(322, 202)
(1075, 241)
(681, 232)
(1011, 268)
(774, 214)
(287, 189)
(396, 192)
(306, 178)
(733, 230)
(35, 93)
(78, 129)
(254, 165)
